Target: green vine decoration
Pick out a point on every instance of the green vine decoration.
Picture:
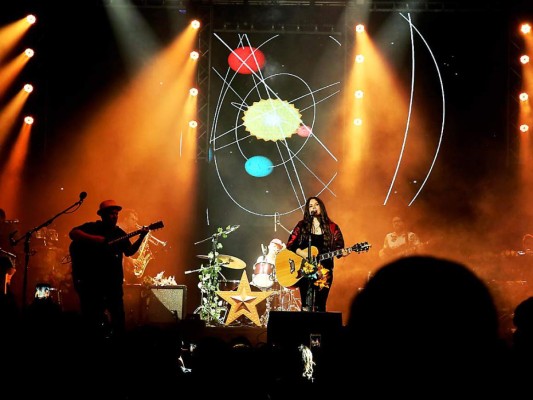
(212, 306)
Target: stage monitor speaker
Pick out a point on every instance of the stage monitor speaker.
(313, 329)
(165, 304)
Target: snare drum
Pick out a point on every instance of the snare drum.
(263, 276)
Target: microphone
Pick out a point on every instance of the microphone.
(312, 212)
(83, 195)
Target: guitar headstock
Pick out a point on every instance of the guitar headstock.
(360, 247)
(156, 225)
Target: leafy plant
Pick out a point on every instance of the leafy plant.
(212, 307)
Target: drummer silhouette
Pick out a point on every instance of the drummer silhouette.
(264, 269)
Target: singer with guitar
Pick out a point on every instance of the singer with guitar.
(316, 231)
(97, 251)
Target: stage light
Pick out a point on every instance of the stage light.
(195, 55)
(525, 28)
(524, 59)
(359, 58)
(358, 94)
(193, 124)
(195, 24)
(193, 92)
(524, 128)
(28, 88)
(358, 122)
(523, 97)
(28, 120)
(359, 28)
(31, 19)
(29, 53)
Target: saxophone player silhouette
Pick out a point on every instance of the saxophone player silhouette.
(135, 266)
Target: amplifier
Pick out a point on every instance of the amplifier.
(154, 304)
(164, 304)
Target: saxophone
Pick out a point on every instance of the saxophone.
(145, 254)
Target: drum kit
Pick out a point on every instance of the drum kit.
(263, 279)
(47, 265)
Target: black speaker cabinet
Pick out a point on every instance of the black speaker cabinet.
(164, 304)
(313, 329)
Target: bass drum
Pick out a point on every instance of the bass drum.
(263, 276)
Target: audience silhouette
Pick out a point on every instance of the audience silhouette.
(425, 327)
(422, 327)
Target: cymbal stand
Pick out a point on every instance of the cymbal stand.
(288, 304)
(264, 318)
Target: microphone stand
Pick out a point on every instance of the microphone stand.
(27, 251)
(310, 259)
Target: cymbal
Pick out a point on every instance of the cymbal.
(231, 262)
(227, 261)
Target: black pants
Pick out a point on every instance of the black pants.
(313, 298)
(102, 308)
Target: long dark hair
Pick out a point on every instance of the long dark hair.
(323, 218)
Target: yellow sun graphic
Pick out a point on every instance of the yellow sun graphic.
(272, 119)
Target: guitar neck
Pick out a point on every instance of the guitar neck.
(330, 254)
(129, 235)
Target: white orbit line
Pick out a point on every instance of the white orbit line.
(406, 132)
(437, 150)
(307, 168)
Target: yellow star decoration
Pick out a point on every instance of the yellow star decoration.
(243, 301)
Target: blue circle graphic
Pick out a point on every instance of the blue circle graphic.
(258, 166)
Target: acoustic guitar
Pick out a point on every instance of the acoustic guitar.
(151, 227)
(79, 250)
(290, 266)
